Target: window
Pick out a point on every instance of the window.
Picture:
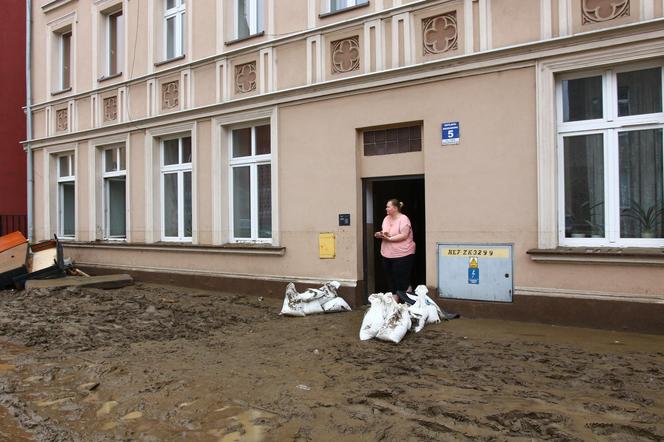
(394, 140)
(64, 43)
(176, 188)
(249, 18)
(611, 132)
(337, 5)
(114, 43)
(66, 195)
(174, 28)
(251, 184)
(115, 192)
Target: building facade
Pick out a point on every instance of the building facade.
(214, 141)
(13, 209)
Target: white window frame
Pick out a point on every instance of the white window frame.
(347, 4)
(610, 125)
(61, 59)
(253, 161)
(118, 172)
(71, 178)
(119, 32)
(256, 18)
(180, 168)
(178, 13)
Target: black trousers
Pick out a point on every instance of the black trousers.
(398, 271)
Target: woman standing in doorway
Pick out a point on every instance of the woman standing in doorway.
(397, 249)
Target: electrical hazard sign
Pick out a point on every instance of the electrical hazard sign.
(473, 271)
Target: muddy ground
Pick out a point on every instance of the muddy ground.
(159, 363)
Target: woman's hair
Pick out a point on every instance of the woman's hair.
(396, 203)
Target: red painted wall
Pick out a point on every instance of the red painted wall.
(12, 119)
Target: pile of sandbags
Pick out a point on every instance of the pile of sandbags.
(389, 321)
(313, 301)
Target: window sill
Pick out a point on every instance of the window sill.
(170, 60)
(599, 255)
(239, 249)
(248, 37)
(109, 77)
(341, 11)
(60, 92)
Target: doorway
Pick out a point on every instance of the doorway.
(377, 191)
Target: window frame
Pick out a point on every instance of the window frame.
(61, 180)
(252, 161)
(610, 125)
(179, 169)
(61, 60)
(178, 13)
(105, 175)
(348, 4)
(256, 17)
(120, 49)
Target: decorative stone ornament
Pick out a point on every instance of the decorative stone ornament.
(597, 11)
(345, 55)
(440, 34)
(170, 95)
(245, 77)
(110, 109)
(61, 119)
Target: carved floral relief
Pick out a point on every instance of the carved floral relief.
(440, 34)
(345, 55)
(245, 77)
(170, 95)
(597, 11)
(110, 108)
(61, 119)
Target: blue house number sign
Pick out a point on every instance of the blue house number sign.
(450, 133)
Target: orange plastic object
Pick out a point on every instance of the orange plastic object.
(11, 240)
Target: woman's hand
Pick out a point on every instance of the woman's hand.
(378, 235)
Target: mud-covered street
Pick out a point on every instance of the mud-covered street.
(159, 363)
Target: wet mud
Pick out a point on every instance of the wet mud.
(156, 363)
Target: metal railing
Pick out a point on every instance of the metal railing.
(12, 223)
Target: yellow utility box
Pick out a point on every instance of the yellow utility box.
(327, 248)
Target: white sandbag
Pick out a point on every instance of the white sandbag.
(434, 313)
(374, 318)
(336, 305)
(396, 324)
(311, 295)
(312, 307)
(292, 305)
(418, 317)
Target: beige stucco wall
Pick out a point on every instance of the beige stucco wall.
(515, 21)
(290, 16)
(291, 64)
(204, 79)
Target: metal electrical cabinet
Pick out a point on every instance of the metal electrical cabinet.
(480, 272)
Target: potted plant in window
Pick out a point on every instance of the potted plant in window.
(648, 218)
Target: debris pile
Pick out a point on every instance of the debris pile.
(389, 321)
(313, 301)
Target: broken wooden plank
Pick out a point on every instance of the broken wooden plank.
(98, 282)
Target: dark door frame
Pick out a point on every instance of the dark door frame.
(365, 237)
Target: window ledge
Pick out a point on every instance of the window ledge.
(170, 60)
(60, 92)
(341, 11)
(248, 37)
(53, 4)
(109, 77)
(241, 249)
(600, 255)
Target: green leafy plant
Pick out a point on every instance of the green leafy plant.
(648, 218)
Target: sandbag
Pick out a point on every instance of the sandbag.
(374, 318)
(336, 305)
(434, 313)
(292, 305)
(396, 323)
(418, 317)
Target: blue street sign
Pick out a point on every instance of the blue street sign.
(473, 276)
(450, 133)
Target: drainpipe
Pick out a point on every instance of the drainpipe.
(28, 115)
